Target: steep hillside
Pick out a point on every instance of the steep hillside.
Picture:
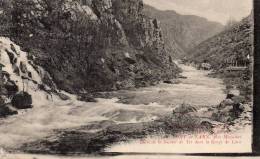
(101, 45)
(183, 32)
(233, 44)
(231, 48)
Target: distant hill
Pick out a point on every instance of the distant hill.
(233, 44)
(183, 32)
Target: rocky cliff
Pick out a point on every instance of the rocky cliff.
(99, 46)
(183, 32)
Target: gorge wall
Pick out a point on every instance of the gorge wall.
(92, 45)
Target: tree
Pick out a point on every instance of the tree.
(230, 23)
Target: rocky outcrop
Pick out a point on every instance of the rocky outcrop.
(100, 46)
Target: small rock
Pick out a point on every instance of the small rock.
(86, 98)
(168, 82)
(183, 77)
(23, 67)
(63, 96)
(13, 48)
(5, 110)
(11, 57)
(230, 96)
(16, 70)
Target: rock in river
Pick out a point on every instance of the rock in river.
(22, 100)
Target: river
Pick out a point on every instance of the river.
(144, 104)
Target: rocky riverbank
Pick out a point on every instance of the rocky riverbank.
(96, 136)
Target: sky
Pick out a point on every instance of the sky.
(214, 10)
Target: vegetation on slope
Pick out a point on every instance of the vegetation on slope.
(102, 45)
(183, 32)
(231, 48)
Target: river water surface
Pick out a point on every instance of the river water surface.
(145, 104)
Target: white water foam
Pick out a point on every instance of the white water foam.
(40, 97)
(48, 115)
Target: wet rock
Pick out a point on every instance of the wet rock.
(22, 100)
(11, 57)
(6, 110)
(172, 81)
(168, 82)
(182, 77)
(29, 74)
(23, 67)
(13, 49)
(86, 98)
(63, 96)
(16, 70)
(11, 87)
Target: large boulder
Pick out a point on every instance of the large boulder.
(22, 100)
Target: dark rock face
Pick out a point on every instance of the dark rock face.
(22, 100)
(11, 87)
(104, 45)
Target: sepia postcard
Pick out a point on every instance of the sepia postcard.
(125, 78)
